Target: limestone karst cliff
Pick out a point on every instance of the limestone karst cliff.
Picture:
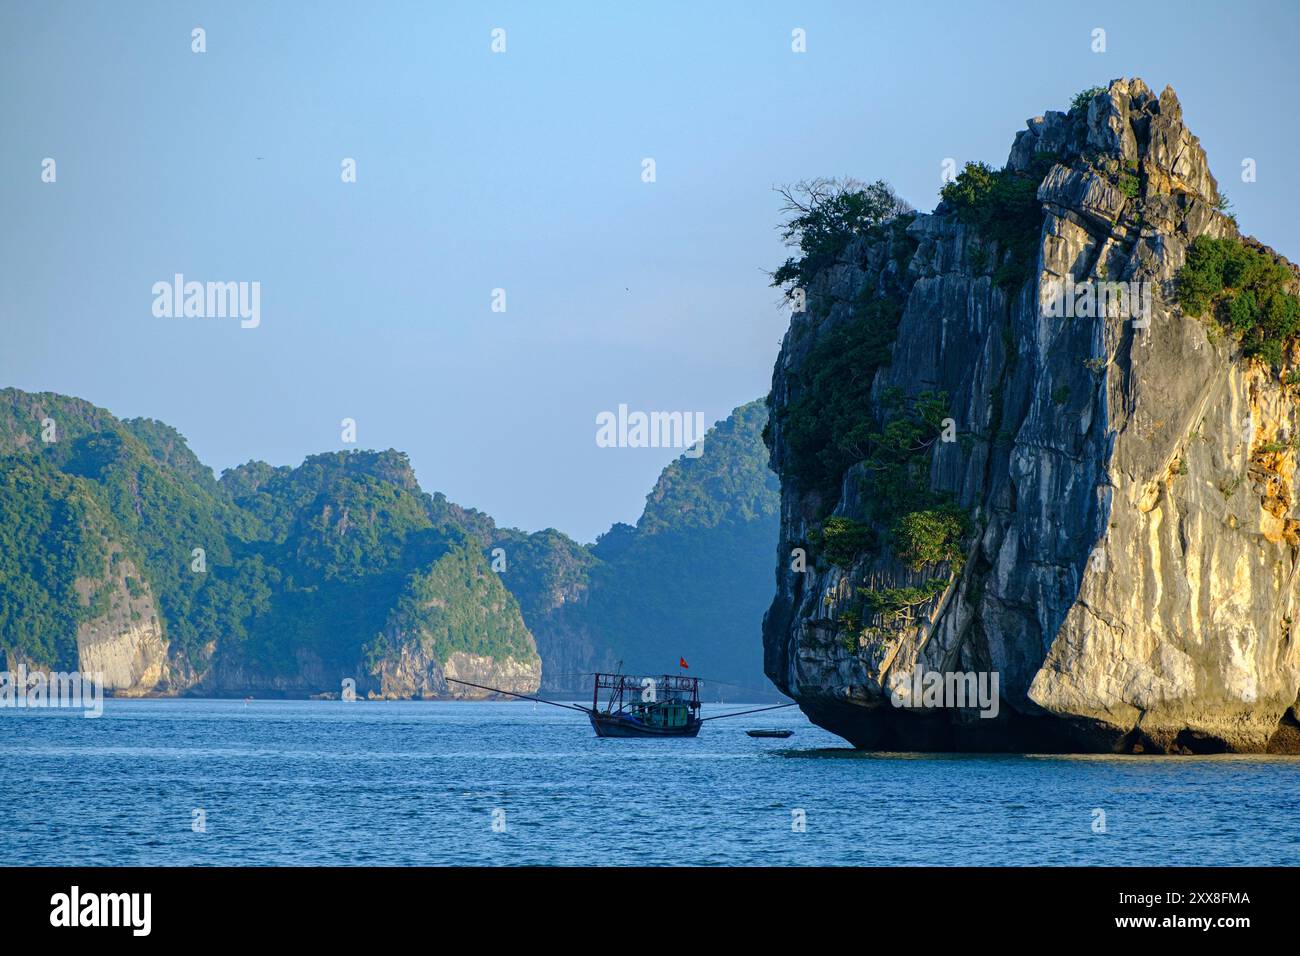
(1099, 510)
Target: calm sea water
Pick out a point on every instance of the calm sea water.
(319, 782)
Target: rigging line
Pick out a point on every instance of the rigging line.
(572, 674)
(743, 712)
(498, 690)
(752, 690)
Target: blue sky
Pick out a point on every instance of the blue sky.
(519, 171)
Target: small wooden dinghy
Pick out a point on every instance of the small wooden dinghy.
(771, 733)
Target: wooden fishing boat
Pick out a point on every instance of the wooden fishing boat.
(771, 733)
(664, 706)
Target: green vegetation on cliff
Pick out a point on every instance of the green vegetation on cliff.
(153, 500)
(358, 553)
(456, 604)
(822, 425)
(924, 526)
(824, 215)
(1246, 290)
(922, 538)
(900, 512)
(250, 573)
(840, 540)
(832, 421)
(51, 538)
(1002, 205)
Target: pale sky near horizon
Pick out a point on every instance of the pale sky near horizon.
(519, 170)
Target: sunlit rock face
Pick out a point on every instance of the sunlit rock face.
(1130, 573)
(124, 649)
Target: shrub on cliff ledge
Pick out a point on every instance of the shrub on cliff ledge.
(840, 540)
(895, 605)
(824, 215)
(1245, 290)
(1002, 205)
(924, 526)
(931, 536)
(1083, 99)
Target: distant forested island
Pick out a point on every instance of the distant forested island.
(121, 553)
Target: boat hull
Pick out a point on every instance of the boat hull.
(613, 725)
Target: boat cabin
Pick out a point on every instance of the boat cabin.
(664, 706)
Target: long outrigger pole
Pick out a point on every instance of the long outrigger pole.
(742, 713)
(588, 710)
(521, 696)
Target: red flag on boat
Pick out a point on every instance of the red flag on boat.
(681, 662)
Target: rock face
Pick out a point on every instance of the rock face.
(413, 674)
(125, 647)
(1131, 575)
(122, 648)
(458, 603)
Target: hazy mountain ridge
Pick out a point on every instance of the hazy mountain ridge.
(690, 580)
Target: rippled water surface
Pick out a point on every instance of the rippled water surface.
(321, 782)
